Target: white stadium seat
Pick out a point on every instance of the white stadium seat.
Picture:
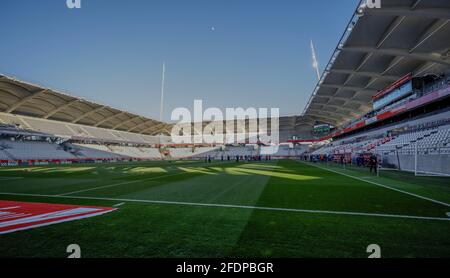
(30, 150)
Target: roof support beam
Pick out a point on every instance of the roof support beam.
(392, 65)
(351, 88)
(3, 103)
(348, 110)
(430, 59)
(362, 102)
(109, 118)
(88, 114)
(158, 128)
(366, 58)
(368, 74)
(337, 117)
(153, 128)
(415, 4)
(308, 120)
(126, 122)
(399, 52)
(140, 125)
(163, 131)
(21, 102)
(362, 63)
(397, 22)
(349, 78)
(54, 111)
(350, 100)
(437, 25)
(324, 118)
(305, 122)
(424, 68)
(339, 114)
(442, 13)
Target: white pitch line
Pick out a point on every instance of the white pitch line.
(121, 183)
(10, 178)
(235, 206)
(119, 205)
(9, 208)
(382, 185)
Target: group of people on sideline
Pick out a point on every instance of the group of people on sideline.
(368, 160)
(239, 158)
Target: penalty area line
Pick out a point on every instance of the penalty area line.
(119, 184)
(325, 212)
(10, 178)
(381, 185)
(178, 172)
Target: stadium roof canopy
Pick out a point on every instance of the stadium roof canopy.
(21, 98)
(378, 48)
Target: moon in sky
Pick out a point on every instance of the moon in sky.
(213, 28)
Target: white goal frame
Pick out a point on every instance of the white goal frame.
(433, 161)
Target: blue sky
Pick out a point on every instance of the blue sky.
(112, 51)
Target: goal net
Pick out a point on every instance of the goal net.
(422, 161)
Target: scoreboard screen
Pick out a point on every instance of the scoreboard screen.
(322, 128)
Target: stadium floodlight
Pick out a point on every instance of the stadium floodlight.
(315, 62)
(161, 115)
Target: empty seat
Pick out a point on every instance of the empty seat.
(33, 150)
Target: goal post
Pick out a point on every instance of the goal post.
(388, 160)
(420, 160)
(432, 161)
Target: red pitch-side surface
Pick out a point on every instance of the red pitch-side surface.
(18, 216)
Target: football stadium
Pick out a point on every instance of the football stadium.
(361, 170)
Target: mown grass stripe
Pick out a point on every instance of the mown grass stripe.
(235, 206)
(380, 185)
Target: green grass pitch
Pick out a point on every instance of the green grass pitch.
(260, 210)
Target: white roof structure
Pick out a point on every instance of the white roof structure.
(21, 98)
(377, 48)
